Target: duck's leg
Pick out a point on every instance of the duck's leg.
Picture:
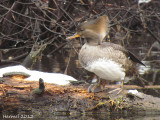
(97, 87)
(120, 89)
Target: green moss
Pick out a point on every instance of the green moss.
(38, 91)
(8, 74)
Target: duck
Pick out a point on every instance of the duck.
(109, 61)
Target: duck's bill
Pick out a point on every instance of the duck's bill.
(73, 36)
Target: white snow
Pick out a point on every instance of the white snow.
(56, 78)
(133, 91)
(144, 1)
(136, 93)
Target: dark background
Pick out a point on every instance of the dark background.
(39, 28)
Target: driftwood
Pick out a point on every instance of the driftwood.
(134, 86)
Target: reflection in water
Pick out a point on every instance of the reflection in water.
(151, 72)
(87, 116)
(144, 69)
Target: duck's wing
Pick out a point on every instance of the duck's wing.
(128, 54)
(134, 58)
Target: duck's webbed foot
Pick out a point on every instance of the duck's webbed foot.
(119, 90)
(98, 87)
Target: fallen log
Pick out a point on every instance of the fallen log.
(18, 96)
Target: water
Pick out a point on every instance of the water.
(84, 116)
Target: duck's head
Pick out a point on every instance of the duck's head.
(93, 30)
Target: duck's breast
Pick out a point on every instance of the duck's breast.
(93, 60)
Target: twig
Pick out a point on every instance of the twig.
(134, 86)
(14, 59)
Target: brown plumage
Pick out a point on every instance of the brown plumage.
(87, 29)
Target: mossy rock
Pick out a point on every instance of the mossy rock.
(10, 74)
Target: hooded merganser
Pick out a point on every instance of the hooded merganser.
(107, 60)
